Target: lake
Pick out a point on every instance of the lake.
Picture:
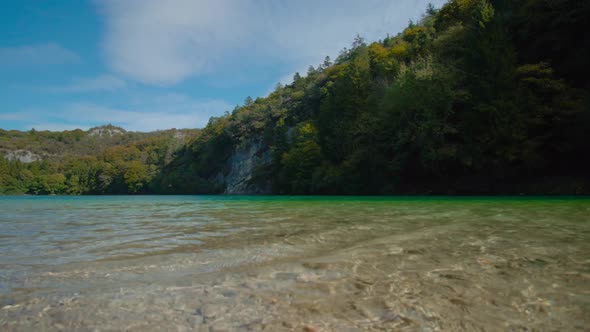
(242, 263)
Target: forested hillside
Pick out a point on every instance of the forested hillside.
(102, 160)
(478, 97)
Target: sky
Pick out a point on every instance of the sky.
(151, 64)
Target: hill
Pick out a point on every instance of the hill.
(479, 97)
(101, 160)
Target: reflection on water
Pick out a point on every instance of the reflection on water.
(288, 263)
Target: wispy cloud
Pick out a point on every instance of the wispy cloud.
(37, 54)
(164, 42)
(161, 111)
(92, 84)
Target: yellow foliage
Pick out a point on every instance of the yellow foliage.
(298, 95)
(414, 33)
(308, 130)
(377, 52)
(400, 50)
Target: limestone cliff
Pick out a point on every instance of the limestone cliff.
(24, 156)
(239, 176)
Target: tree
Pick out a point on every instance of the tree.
(136, 176)
(300, 161)
(327, 63)
(358, 42)
(311, 71)
(431, 11)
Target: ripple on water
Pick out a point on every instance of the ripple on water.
(334, 264)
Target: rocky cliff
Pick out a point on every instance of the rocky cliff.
(24, 156)
(241, 168)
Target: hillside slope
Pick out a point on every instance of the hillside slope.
(102, 160)
(479, 97)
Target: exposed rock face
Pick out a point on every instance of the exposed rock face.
(106, 131)
(179, 135)
(242, 166)
(24, 156)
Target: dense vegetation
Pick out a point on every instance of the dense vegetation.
(102, 160)
(480, 96)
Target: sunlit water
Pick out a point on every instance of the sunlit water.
(289, 263)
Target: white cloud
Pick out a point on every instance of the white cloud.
(161, 111)
(98, 83)
(37, 54)
(164, 42)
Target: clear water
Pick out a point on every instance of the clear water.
(293, 263)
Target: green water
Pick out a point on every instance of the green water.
(233, 263)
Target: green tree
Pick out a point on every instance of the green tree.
(136, 176)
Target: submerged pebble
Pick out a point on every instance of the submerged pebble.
(225, 265)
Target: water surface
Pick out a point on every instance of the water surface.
(228, 263)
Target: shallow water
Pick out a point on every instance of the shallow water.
(292, 263)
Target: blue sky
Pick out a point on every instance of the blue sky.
(153, 64)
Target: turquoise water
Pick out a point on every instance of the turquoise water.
(289, 263)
